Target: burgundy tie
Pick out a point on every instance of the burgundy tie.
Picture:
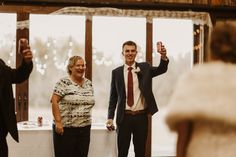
(130, 100)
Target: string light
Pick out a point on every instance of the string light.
(46, 54)
(197, 33)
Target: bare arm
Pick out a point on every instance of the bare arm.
(184, 135)
(56, 113)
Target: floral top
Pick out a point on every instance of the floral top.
(76, 102)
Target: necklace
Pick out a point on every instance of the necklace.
(79, 82)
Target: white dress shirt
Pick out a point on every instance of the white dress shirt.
(139, 103)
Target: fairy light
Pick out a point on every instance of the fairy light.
(43, 57)
(46, 57)
(48, 44)
(34, 51)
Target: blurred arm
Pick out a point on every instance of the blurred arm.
(56, 113)
(184, 136)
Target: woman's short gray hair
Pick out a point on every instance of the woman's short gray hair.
(72, 61)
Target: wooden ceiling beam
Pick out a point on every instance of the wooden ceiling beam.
(124, 4)
(48, 6)
(28, 9)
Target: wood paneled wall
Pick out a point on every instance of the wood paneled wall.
(105, 2)
(22, 90)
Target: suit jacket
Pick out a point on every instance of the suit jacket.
(9, 76)
(118, 94)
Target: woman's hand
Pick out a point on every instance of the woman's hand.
(59, 128)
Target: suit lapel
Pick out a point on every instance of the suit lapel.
(139, 74)
(121, 78)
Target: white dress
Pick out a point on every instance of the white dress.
(206, 96)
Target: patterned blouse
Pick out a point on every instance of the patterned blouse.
(76, 102)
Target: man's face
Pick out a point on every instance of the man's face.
(129, 52)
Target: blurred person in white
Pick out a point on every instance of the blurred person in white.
(9, 76)
(202, 108)
(72, 103)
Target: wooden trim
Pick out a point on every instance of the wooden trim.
(22, 90)
(88, 48)
(123, 4)
(206, 54)
(49, 6)
(149, 59)
(149, 37)
(28, 9)
(214, 18)
(196, 42)
(217, 12)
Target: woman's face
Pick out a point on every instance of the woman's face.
(78, 69)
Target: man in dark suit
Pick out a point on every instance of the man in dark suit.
(131, 93)
(9, 76)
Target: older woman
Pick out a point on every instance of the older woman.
(72, 101)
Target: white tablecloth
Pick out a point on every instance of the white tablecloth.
(37, 142)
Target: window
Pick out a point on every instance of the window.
(109, 33)
(53, 39)
(179, 47)
(8, 38)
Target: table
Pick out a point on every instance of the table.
(38, 142)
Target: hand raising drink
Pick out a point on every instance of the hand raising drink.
(159, 46)
(22, 45)
(162, 50)
(24, 50)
